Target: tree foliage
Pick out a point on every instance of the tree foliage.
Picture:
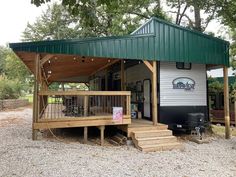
(198, 14)
(14, 76)
(3, 52)
(110, 17)
(15, 69)
(12, 68)
(10, 89)
(54, 23)
(215, 86)
(233, 50)
(227, 11)
(192, 12)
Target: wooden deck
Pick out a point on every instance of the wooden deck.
(54, 117)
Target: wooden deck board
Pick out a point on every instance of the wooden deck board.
(140, 124)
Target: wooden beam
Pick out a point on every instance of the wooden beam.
(235, 111)
(85, 135)
(154, 93)
(86, 100)
(226, 103)
(150, 67)
(105, 66)
(102, 129)
(35, 100)
(88, 93)
(47, 119)
(79, 123)
(44, 75)
(45, 59)
(122, 75)
(106, 80)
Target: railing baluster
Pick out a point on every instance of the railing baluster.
(81, 104)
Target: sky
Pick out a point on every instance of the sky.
(15, 14)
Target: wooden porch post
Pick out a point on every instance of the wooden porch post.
(153, 69)
(35, 100)
(154, 93)
(86, 105)
(235, 110)
(85, 135)
(122, 75)
(106, 80)
(102, 129)
(226, 103)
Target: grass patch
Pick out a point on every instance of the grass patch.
(50, 99)
(220, 130)
(28, 97)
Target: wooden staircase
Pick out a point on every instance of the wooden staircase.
(154, 138)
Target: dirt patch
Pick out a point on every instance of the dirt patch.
(17, 109)
(10, 121)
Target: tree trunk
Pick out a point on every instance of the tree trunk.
(197, 17)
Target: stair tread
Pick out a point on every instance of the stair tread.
(150, 131)
(155, 138)
(161, 145)
(150, 127)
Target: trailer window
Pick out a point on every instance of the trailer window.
(182, 65)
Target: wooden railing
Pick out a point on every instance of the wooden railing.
(83, 105)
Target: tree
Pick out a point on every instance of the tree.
(223, 10)
(14, 76)
(233, 50)
(55, 23)
(15, 69)
(11, 67)
(2, 59)
(227, 12)
(186, 7)
(110, 17)
(9, 89)
(215, 86)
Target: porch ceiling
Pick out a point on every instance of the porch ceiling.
(66, 68)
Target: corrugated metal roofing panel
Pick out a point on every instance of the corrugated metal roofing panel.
(155, 40)
(146, 28)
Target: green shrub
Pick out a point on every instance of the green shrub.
(9, 89)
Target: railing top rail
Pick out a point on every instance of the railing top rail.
(86, 93)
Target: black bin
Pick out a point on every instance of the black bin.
(195, 120)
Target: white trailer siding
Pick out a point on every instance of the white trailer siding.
(181, 97)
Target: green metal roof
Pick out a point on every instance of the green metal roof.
(155, 40)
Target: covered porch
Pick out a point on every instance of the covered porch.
(82, 108)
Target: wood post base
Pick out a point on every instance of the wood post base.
(34, 134)
(85, 135)
(102, 128)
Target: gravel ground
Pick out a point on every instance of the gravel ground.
(20, 156)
